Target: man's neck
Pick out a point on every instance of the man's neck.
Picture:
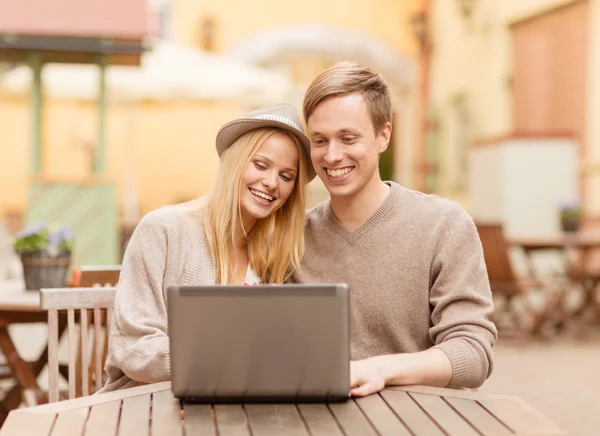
(354, 210)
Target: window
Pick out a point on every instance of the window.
(162, 9)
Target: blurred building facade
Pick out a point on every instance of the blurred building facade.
(164, 149)
(508, 72)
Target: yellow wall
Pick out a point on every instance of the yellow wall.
(473, 58)
(172, 143)
(235, 20)
(168, 147)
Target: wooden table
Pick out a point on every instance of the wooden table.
(18, 306)
(582, 243)
(416, 410)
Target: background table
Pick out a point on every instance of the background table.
(152, 409)
(18, 306)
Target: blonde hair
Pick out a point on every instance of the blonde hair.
(347, 78)
(276, 242)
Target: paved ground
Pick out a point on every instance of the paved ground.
(560, 378)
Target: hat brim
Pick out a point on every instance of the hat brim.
(233, 130)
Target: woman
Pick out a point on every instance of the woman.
(248, 231)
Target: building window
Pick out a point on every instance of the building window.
(461, 121)
(162, 9)
(207, 33)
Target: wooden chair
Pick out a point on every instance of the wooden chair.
(79, 304)
(506, 285)
(99, 275)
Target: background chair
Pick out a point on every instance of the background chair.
(507, 287)
(87, 355)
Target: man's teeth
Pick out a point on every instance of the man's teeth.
(261, 195)
(339, 172)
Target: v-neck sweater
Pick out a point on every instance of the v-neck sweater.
(417, 280)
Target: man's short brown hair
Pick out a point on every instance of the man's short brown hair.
(347, 78)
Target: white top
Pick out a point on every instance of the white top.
(251, 277)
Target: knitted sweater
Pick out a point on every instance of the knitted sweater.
(168, 247)
(417, 280)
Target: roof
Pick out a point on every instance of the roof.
(122, 19)
(68, 31)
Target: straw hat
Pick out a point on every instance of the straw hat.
(281, 115)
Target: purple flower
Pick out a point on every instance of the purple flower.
(66, 233)
(54, 238)
(569, 204)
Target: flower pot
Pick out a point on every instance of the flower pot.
(43, 270)
(570, 223)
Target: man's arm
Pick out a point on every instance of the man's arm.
(430, 367)
(462, 333)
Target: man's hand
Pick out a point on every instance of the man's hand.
(369, 376)
(365, 377)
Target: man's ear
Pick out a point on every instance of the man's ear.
(384, 137)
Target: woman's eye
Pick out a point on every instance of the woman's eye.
(286, 177)
(260, 166)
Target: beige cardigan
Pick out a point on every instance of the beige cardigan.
(168, 247)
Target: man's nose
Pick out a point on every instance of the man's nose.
(334, 153)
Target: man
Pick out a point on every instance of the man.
(419, 292)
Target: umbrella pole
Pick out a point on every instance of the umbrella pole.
(99, 158)
(35, 103)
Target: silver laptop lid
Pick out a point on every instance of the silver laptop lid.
(266, 342)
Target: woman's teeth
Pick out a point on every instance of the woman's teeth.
(337, 173)
(261, 195)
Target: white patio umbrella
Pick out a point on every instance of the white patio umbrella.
(167, 71)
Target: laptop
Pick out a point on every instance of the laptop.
(264, 343)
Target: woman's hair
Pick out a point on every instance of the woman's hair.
(276, 242)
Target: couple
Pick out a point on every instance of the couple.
(419, 292)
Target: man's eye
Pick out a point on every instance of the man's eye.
(348, 139)
(319, 141)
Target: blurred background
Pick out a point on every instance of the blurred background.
(109, 109)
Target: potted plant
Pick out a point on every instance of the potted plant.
(45, 253)
(570, 213)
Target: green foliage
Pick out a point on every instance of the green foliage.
(44, 237)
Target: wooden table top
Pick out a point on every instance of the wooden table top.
(152, 409)
(14, 297)
(577, 239)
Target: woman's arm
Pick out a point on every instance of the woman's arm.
(139, 345)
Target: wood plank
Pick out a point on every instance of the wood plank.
(85, 353)
(21, 422)
(198, 420)
(92, 400)
(72, 344)
(80, 298)
(104, 419)
(231, 420)
(445, 416)
(521, 417)
(410, 413)
(351, 419)
(319, 420)
(444, 392)
(479, 417)
(98, 348)
(135, 416)
(71, 422)
(53, 355)
(166, 415)
(381, 416)
(275, 419)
